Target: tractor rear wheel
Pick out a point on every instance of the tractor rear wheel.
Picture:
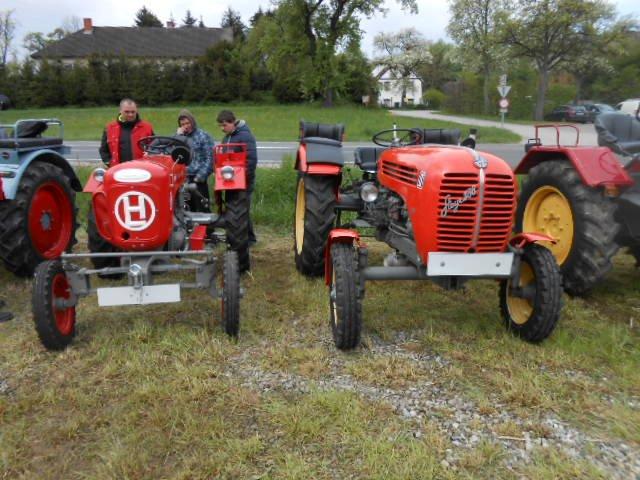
(237, 225)
(533, 315)
(555, 201)
(230, 305)
(40, 222)
(55, 323)
(97, 244)
(345, 301)
(314, 218)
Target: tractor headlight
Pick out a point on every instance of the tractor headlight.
(98, 174)
(369, 192)
(227, 172)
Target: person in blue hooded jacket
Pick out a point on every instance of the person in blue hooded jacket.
(201, 165)
(237, 131)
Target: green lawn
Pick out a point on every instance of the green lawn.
(268, 122)
(160, 392)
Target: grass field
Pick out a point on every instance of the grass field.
(438, 390)
(268, 122)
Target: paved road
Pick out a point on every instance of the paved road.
(271, 153)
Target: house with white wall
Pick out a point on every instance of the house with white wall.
(390, 89)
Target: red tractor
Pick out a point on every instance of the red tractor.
(584, 198)
(446, 211)
(140, 226)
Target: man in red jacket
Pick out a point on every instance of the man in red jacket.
(120, 138)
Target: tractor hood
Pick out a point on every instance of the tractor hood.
(134, 204)
(458, 199)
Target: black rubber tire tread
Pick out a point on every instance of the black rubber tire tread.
(231, 294)
(16, 250)
(347, 328)
(42, 307)
(594, 241)
(236, 219)
(548, 298)
(97, 244)
(319, 217)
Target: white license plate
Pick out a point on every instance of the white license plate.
(112, 296)
(469, 264)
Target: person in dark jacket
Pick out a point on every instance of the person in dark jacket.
(120, 137)
(237, 131)
(201, 165)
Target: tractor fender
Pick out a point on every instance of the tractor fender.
(597, 166)
(2, 197)
(521, 240)
(10, 185)
(316, 168)
(337, 235)
(92, 184)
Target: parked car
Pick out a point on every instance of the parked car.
(5, 103)
(568, 113)
(595, 109)
(630, 106)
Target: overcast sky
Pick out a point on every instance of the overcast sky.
(44, 16)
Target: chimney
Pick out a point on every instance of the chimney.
(171, 24)
(88, 26)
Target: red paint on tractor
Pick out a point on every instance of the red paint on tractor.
(196, 241)
(232, 155)
(521, 240)
(337, 235)
(314, 168)
(50, 220)
(65, 317)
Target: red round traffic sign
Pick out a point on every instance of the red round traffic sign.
(503, 103)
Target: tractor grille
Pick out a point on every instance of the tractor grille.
(402, 173)
(456, 230)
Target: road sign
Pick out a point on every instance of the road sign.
(503, 103)
(503, 90)
(504, 110)
(503, 80)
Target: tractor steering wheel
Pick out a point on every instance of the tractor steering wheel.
(397, 137)
(157, 144)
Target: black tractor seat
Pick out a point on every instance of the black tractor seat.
(26, 143)
(618, 131)
(367, 157)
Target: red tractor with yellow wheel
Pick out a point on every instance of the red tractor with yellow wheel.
(584, 198)
(37, 195)
(141, 214)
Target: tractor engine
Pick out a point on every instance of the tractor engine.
(134, 207)
(447, 198)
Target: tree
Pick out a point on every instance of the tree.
(551, 32)
(146, 18)
(442, 67)
(314, 31)
(189, 20)
(201, 23)
(402, 54)
(7, 29)
(231, 19)
(34, 42)
(474, 26)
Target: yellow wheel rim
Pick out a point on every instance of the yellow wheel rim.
(548, 211)
(301, 205)
(520, 309)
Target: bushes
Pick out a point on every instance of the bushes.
(434, 98)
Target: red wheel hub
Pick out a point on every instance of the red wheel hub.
(66, 316)
(50, 220)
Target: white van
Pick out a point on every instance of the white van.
(630, 106)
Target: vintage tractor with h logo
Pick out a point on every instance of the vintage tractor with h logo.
(37, 194)
(447, 212)
(140, 226)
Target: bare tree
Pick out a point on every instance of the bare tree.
(7, 29)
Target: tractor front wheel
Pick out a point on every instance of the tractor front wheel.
(237, 225)
(345, 301)
(230, 305)
(54, 318)
(40, 222)
(314, 218)
(534, 312)
(555, 201)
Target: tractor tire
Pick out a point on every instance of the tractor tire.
(345, 299)
(533, 319)
(97, 244)
(314, 218)
(40, 222)
(554, 201)
(236, 219)
(56, 326)
(230, 305)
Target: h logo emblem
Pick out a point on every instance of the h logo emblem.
(135, 211)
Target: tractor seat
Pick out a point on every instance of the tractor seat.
(323, 150)
(367, 157)
(321, 130)
(442, 136)
(28, 143)
(618, 131)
